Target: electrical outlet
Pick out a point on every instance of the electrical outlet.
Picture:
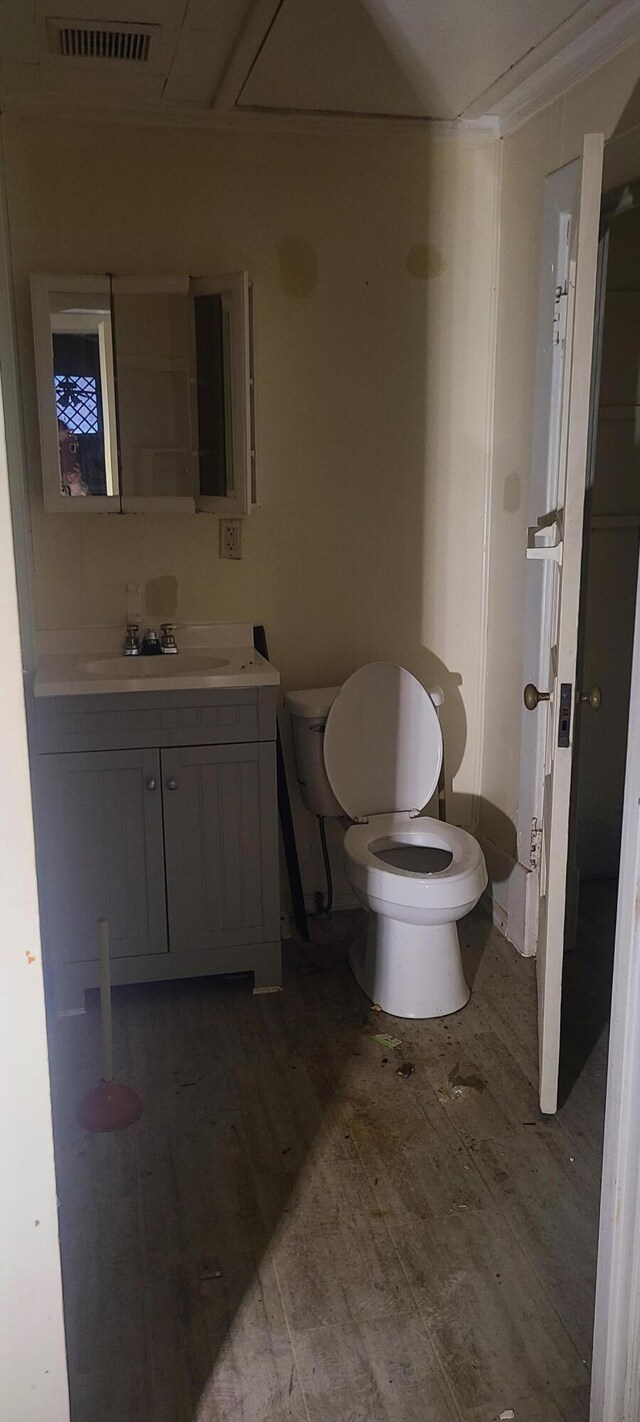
(230, 538)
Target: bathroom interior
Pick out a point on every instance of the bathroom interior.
(331, 1192)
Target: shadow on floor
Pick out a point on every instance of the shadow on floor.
(293, 1230)
(586, 982)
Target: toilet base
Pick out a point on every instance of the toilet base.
(410, 969)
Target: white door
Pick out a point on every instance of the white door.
(557, 545)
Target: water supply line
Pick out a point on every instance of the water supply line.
(324, 909)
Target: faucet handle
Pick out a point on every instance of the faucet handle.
(132, 640)
(167, 637)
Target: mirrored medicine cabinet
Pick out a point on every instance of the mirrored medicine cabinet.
(145, 393)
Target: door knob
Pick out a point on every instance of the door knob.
(172, 785)
(532, 696)
(592, 698)
(150, 784)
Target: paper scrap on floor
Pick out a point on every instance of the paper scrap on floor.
(391, 1043)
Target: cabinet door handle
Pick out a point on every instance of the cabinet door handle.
(150, 783)
(172, 785)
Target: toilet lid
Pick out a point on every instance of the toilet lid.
(382, 743)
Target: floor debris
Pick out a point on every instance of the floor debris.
(473, 1081)
(407, 1069)
(210, 1270)
(384, 1040)
(508, 1415)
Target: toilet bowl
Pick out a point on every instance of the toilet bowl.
(416, 877)
(382, 754)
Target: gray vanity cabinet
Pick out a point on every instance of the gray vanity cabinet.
(102, 827)
(158, 812)
(221, 857)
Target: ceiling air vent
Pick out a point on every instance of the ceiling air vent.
(75, 39)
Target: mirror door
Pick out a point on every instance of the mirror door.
(153, 374)
(75, 372)
(222, 393)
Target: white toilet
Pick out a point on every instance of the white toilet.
(373, 747)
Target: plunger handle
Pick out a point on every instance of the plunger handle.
(105, 1000)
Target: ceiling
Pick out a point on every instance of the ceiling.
(423, 59)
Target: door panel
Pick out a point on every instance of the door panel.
(564, 572)
(561, 202)
(101, 853)
(221, 864)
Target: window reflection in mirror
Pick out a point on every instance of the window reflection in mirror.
(212, 341)
(152, 350)
(84, 389)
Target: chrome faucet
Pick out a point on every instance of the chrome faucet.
(150, 644)
(168, 637)
(132, 640)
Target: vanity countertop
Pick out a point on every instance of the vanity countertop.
(86, 662)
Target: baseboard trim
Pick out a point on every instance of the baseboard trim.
(505, 898)
(494, 911)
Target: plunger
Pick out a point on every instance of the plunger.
(109, 1106)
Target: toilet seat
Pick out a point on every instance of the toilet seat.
(383, 754)
(382, 743)
(446, 888)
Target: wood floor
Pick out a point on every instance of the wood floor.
(293, 1230)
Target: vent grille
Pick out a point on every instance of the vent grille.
(74, 39)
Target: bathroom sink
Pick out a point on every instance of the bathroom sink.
(211, 657)
(180, 664)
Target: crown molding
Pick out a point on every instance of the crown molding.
(605, 37)
(246, 122)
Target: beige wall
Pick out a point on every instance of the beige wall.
(605, 102)
(372, 263)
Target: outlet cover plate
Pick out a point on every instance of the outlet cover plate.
(230, 538)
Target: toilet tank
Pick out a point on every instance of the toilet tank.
(309, 711)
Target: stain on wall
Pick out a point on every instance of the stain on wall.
(298, 266)
(512, 493)
(424, 261)
(161, 597)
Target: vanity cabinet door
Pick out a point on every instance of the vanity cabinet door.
(101, 853)
(221, 845)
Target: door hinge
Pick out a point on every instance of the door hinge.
(535, 844)
(560, 305)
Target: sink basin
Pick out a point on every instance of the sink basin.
(212, 658)
(180, 664)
